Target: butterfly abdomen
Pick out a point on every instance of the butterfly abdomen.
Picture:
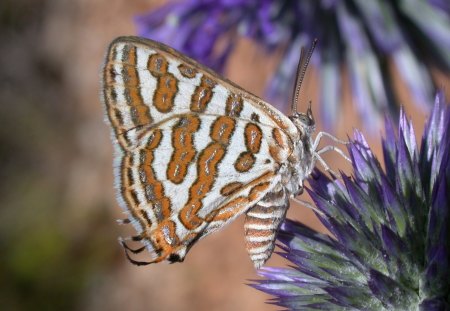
(261, 225)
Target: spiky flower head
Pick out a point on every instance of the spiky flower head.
(366, 36)
(390, 248)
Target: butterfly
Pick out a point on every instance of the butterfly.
(194, 151)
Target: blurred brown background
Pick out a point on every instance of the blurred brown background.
(58, 235)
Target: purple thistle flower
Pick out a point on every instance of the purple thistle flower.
(359, 33)
(391, 226)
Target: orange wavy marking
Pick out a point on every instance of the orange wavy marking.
(164, 96)
(276, 153)
(144, 215)
(253, 137)
(153, 188)
(259, 186)
(207, 163)
(110, 95)
(237, 205)
(167, 83)
(258, 190)
(222, 129)
(234, 105)
(244, 162)
(186, 71)
(206, 172)
(117, 117)
(140, 113)
(230, 209)
(128, 193)
(184, 150)
(126, 181)
(230, 188)
(263, 178)
(279, 138)
(188, 214)
(110, 72)
(157, 65)
(202, 95)
(154, 139)
(128, 171)
(132, 198)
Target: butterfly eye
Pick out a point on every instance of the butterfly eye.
(304, 119)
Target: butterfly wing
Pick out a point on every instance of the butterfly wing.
(194, 150)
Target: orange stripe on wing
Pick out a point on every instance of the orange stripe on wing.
(231, 188)
(167, 83)
(208, 161)
(153, 188)
(253, 137)
(110, 96)
(129, 193)
(258, 191)
(244, 162)
(234, 105)
(202, 94)
(258, 188)
(222, 129)
(184, 149)
(279, 138)
(140, 113)
(206, 172)
(186, 71)
(232, 208)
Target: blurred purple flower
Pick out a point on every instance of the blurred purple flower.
(359, 33)
(391, 249)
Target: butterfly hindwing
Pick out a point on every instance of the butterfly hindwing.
(194, 151)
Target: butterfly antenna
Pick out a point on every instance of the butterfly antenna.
(301, 71)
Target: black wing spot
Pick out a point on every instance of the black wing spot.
(175, 258)
(254, 117)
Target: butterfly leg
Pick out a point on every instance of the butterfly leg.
(317, 153)
(333, 148)
(261, 224)
(129, 250)
(162, 244)
(333, 138)
(308, 205)
(325, 165)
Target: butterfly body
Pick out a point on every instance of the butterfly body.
(194, 151)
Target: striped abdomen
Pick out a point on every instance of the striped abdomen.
(261, 225)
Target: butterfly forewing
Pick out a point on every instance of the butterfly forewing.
(194, 151)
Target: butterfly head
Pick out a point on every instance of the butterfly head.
(304, 121)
